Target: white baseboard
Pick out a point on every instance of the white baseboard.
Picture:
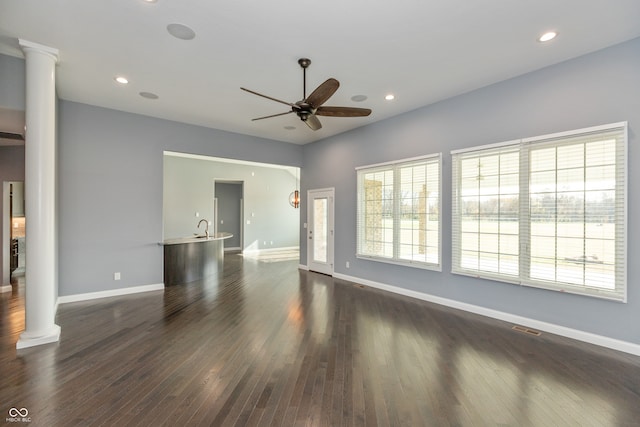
(305, 268)
(235, 249)
(5, 288)
(27, 339)
(575, 334)
(110, 293)
(259, 251)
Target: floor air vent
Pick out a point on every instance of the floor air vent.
(527, 331)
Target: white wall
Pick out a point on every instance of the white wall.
(189, 188)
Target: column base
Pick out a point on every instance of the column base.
(5, 288)
(29, 339)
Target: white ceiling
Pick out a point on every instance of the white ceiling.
(423, 51)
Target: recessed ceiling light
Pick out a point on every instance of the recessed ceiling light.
(389, 97)
(181, 32)
(150, 1)
(148, 95)
(289, 127)
(547, 36)
(359, 98)
(121, 80)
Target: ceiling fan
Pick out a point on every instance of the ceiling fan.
(310, 107)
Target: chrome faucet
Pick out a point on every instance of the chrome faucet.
(206, 231)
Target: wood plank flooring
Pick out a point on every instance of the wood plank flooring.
(265, 344)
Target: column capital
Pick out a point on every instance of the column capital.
(27, 46)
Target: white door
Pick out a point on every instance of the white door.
(320, 230)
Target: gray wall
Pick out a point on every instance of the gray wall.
(12, 78)
(603, 87)
(189, 188)
(110, 190)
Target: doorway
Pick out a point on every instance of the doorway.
(320, 230)
(13, 233)
(228, 212)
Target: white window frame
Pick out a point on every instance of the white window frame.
(524, 276)
(396, 167)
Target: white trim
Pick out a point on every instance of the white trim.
(514, 143)
(303, 267)
(399, 261)
(228, 160)
(564, 134)
(260, 251)
(30, 339)
(234, 249)
(27, 45)
(110, 293)
(329, 193)
(5, 288)
(588, 337)
(393, 162)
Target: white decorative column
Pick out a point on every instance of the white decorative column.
(40, 192)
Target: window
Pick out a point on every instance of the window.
(398, 212)
(548, 212)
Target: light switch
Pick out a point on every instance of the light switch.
(222, 221)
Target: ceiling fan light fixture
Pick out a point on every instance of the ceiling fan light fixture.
(359, 98)
(122, 80)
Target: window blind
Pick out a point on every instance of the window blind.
(548, 211)
(398, 213)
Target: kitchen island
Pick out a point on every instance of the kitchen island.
(188, 259)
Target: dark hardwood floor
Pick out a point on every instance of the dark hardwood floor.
(266, 344)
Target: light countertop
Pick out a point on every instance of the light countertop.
(197, 239)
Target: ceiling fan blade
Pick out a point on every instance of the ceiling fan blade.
(273, 115)
(323, 93)
(313, 122)
(268, 97)
(342, 111)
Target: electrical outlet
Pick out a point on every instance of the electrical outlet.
(197, 214)
(348, 265)
(116, 275)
